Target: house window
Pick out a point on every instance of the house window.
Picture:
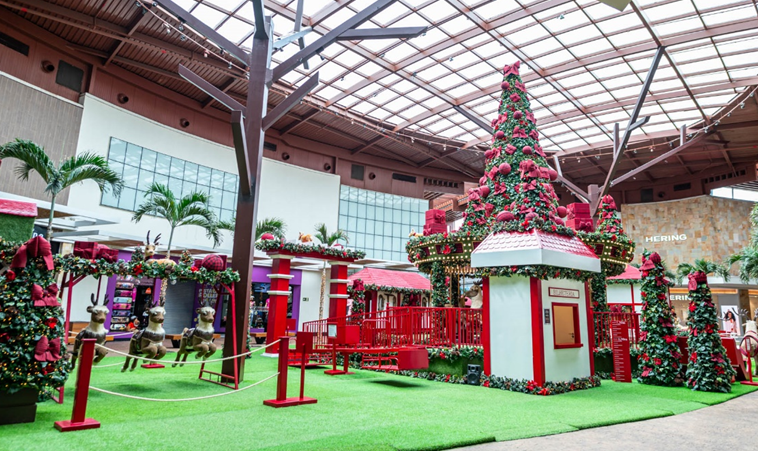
(566, 326)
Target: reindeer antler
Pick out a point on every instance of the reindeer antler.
(93, 300)
(157, 238)
(743, 313)
(147, 240)
(106, 300)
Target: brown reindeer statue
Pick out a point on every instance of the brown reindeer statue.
(475, 294)
(198, 339)
(148, 341)
(95, 329)
(749, 343)
(150, 251)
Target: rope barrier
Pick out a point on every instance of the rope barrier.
(140, 398)
(195, 362)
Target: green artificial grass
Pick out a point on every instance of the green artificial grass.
(366, 411)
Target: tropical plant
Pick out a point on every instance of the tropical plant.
(748, 260)
(85, 166)
(327, 239)
(274, 226)
(192, 209)
(706, 266)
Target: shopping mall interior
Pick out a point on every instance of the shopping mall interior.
(351, 207)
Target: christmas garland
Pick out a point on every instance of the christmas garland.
(622, 281)
(708, 368)
(659, 349)
(599, 292)
(400, 290)
(357, 293)
(457, 352)
(440, 283)
(307, 248)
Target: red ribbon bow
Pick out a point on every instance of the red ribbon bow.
(48, 350)
(512, 69)
(45, 297)
(36, 247)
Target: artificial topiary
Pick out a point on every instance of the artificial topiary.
(708, 368)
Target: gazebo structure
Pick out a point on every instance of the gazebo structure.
(385, 288)
(624, 290)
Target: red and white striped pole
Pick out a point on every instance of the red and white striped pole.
(279, 294)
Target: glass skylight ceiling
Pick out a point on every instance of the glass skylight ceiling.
(583, 62)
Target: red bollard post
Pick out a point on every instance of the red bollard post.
(78, 420)
(281, 385)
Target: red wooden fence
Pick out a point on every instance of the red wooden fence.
(603, 320)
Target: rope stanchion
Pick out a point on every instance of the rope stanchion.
(140, 398)
(281, 387)
(79, 421)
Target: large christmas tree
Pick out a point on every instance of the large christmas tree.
(708, 368)
(659, 352)
(32, 338)
(515, 193)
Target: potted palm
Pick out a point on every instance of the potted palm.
(327, 239)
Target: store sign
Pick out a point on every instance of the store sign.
(679, 297)
(665, 238)
(563, 293)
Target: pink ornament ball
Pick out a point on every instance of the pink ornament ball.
(562, 211)
(499, 134)
(559, 221)
(527, 150)
(505, 216)
(213, 262)
(504, 169)
(505, 85)
(553, 174)
(517, 115)
(484, 190)
(268, 236)
(483, 180)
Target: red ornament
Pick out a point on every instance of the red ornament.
(10, 276)
(268, 236)
(504, 169)
(484, 190)
(562, 211)
(518, 115)
(138, 269)
(505, 85)
(505, 216)
(527, 150)
(194, 269)
(51, 322)
(499, 134)
(553, 174)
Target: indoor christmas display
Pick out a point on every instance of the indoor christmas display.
(708, 368)
(659, 351)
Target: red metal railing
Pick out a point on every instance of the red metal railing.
(405, 326)
(603, 336)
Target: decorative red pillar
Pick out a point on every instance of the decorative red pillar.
(278, 298)
(338, 289)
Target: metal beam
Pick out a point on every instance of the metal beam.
(368, 145)
(473, 118)
(329, 38)
(298, 25)
(139, 19)
(298, 122)
(221, 97)
(620, 145)
(240, 146)
(223, 88)
(294, 36)
(697, 140)
(290, 102)
(204, 30)
(381, 33)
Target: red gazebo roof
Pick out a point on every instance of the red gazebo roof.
(630, 273)
(390, 278)
(18, 208)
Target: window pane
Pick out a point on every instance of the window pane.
(352, 209)
(177, 168)
(148, 160)
(228, 201)
(118, 168)
(133, 155)
(230, 182)
(162, 164)
(379, 214)
(406, 217)
(162, 179)
(190, 171)
(343, 207)
(351, 223)
(204, 176)
(216, 196)
(117, 150)
(564, 325)
(217, 179)
(109, 199)
(175, 185)
(130, 176)
(145, 179)
(361, 210)
(226, 215)
(127, 198)
(361, 228)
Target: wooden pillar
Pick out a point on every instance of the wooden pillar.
(278, 299)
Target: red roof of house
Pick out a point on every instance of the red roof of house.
(630, 273)
(535, 239)
(17, 208)
(390, 278)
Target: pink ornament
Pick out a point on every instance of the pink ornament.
(473, 195)
(518, 115)
(504, 216)
(515, 98)
(504, 169)
(553, 174)
(505, 85)
(484, 190)
(267, 236)
(562, 211)
(487, 154)
(483, 180)
(527, 150)
(499, 134)
(559, 221)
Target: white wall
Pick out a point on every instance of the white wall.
(622, 294)
(302, 197)
(568, 363)
(511, 327)
(311, 288)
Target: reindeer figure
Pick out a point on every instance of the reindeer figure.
(305, 237)
(150, 251)
(148, 341)
(198, 339)
(749, 343)
(95, 329)
(475, 294)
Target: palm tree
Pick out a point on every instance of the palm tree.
(86, 166)
(191, 209)
(707, 266)
(327, 239)
(274, 226)
(748, 259)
